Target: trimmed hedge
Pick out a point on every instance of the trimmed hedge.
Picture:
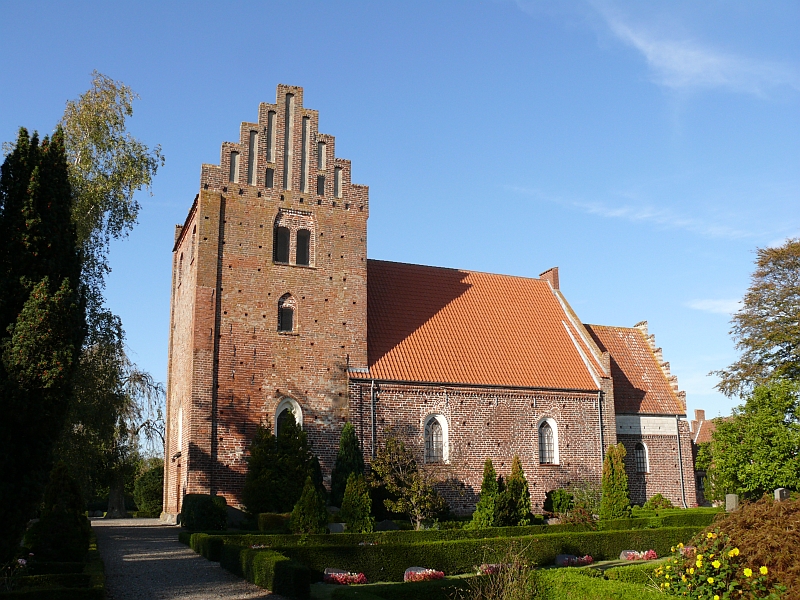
(567, 584)
(200, 512)
(268, 569)
(208, 546)
(442, 589)
(698, 521)
(388, 562)
(641, 573)
(274, 522)
(88, 585)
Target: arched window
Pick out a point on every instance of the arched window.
(287, 409)
(302, 253)
(548, 443)
(641, 458)
(280, 248)
(436, 439)
(286, 316)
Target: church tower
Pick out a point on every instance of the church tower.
(269, 300)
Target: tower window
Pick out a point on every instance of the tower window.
(233, 176)
(281, 245)
(270, 178)
(547, 445)
(641, 458)
(303, 254)
(337, 182)
(287, 409)
(320, 185)
(286, 320)
(252, 161)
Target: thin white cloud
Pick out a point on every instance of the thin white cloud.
(683, 64)
(721, 307)
(646, 213)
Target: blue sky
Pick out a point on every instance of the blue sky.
(646, 149)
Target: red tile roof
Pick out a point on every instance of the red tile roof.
(640, 385)
(430, 324)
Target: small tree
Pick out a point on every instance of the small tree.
(484, 515)
(357, 505)
(277, 468)
(615, 502)
(514, 502)
(348, 460)
(309, 514)
(260, 492)
(148, 491)
(395, 469)
(558, 502)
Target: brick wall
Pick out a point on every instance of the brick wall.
(485, 423)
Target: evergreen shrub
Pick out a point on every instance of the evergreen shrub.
(201, 512)
(615, 502)
(558, 501)
(513, 505)
(569, 584)
(309, 514)
(657, 502)
(348, 460)
(484, 515)
(357, 505)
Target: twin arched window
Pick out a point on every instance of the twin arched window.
(640, 452)
(280, 247)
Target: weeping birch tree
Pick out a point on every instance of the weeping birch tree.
(116, 405)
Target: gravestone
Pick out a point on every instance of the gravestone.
(781, 494)
(731, 502)
(337, 527)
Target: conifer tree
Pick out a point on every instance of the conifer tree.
(260, 491)
(615, 502)
(309, 514)
(484, 515)
(348, 460)
(514, 501)
(357, 505)
(42, 322)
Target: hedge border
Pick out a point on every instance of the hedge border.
(388, 562)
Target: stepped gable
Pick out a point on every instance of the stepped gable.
(431, 324)
(284, 152)
(643, 383)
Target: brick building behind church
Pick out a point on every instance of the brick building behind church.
(276, 307)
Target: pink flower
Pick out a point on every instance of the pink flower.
(345, 578)
(425, 575)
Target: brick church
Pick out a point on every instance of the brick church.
(275, 308)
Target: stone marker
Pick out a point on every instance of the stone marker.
(731, 502)
(337, 527)
(781, 494)
(563, 560)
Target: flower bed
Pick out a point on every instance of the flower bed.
(634, 555)
(417, 574)
(579, 561)
(344, 578)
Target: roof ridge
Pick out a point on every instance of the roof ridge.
(395, 262)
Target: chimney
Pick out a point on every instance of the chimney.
(699, 415)
(551, 275)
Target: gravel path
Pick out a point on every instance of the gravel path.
(143, 559)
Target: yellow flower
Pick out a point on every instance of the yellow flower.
(691, 571)
(666, 585)
(748, 572)
(716, 596)
(764, 570)
(699, 564)
(710, 535)
(737, 551)
(699, 557)
(733, 552)
(716, 564)
(683, 577)
(710, 580)
(668, 567)
(672, 549)
(710, 556)
(680, 545)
